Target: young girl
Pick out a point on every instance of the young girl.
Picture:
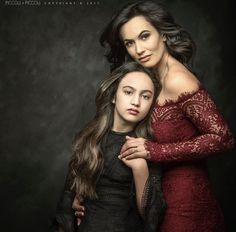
(187, 126)
(119, 195)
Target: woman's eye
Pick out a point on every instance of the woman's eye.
(128, 44)
(144, 36)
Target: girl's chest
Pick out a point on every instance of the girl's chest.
(114, 168)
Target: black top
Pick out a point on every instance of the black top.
(115, 208)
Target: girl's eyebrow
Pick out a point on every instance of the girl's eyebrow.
(128, 86)
(143, 91)
(147, 90)
(139, 35)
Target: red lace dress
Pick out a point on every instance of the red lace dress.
(187, 131)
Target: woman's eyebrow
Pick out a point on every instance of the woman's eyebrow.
(139, 35)
(143, 32)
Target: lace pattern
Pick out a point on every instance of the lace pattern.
(204, 131)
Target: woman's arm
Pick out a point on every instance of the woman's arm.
(195, 103)
(214, 134)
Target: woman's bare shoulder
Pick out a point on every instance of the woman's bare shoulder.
(180, 80)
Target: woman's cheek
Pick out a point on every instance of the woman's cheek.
(132, 53)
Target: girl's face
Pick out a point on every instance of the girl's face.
(133, 99)
(143, 42)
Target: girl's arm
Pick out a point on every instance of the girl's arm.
(140, 174)
(149, 196)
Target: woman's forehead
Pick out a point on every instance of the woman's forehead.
(134, 27)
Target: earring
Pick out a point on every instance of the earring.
(113, 101)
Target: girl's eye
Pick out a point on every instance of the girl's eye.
(146, 97)
(144, 36)
(128, 92)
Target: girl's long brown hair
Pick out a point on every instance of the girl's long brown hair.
(87, 160)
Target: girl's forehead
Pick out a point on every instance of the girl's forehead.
(136, 79)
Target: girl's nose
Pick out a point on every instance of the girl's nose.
(135, 100)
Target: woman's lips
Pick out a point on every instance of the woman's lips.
(145, 58)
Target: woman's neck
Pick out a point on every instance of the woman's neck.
(163, 67)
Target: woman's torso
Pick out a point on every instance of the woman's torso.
(190, 201)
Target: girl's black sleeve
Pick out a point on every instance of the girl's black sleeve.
(153, 203)
(64, 216)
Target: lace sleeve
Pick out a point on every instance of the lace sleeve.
(214, 136)
(64, 216)
(153, 204)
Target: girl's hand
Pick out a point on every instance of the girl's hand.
(137, 164)
(134, 148)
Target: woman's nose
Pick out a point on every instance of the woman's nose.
(138, 48)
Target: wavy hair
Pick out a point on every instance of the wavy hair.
(178, 41)
(87, 160)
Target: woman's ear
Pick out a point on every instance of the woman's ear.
(164, 38)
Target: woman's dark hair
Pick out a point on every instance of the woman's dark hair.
(87, 159)
(178, 41)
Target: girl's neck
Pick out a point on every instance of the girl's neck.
(121, 132)
(122, 129)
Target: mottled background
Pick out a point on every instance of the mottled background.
(50, 66)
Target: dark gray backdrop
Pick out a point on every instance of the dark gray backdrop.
(50, 66)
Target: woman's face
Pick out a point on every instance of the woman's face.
(133, 99)
(143, 42)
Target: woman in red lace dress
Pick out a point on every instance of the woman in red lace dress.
(187, 126)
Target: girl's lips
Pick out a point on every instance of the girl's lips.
(133, 111)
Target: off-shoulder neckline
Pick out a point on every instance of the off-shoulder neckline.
(182, 97)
